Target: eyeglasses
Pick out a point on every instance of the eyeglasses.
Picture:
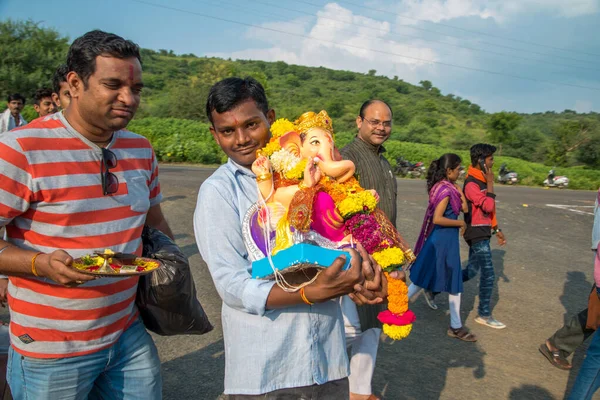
(376, 123)
(110, 182)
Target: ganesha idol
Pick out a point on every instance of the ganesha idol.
(308, 196)
(311, 207)
(293, 208)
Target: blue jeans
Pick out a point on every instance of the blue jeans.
(480, 258)
(129, 369)
(588, 378)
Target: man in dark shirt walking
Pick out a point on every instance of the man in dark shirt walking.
(362, 328)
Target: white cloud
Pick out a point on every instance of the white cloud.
(570, 8)
(439, 10)
(345, 41)
(499, 10)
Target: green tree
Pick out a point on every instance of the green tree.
(292, 80)
(462, 140)
(418, 132)
(428, 105)
(335, 108)
(181, 101)
(589, 152)
(475, 109)
(29, 56)
(401, 117)
(427, 85)
(527, 144)
(403, 88)
(568, 136)
(500, 126)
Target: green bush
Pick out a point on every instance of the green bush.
(28, 113)
(179, 140)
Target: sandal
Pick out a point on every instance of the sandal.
(462, 333)
(555, 357)
(429, 298)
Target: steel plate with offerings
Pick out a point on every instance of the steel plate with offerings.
(110, 264)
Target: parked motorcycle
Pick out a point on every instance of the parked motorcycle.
(556, 181)
(406, 168)
(507, 176)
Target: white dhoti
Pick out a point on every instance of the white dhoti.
(363, 348)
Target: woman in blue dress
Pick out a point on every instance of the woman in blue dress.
(437, 267)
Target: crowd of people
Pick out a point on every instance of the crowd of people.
(74, 181)
(46, 101)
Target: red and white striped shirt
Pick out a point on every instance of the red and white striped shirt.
(51, 198)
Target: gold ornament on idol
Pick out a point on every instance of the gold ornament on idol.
(310, 120)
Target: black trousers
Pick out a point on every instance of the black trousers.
(334, 390)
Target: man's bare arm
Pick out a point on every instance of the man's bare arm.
(55, 265)
(156, 219)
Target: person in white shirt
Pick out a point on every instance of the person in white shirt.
(11, 118)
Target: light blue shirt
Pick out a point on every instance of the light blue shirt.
(265, 350)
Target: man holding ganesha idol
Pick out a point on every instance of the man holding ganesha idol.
(283, 334)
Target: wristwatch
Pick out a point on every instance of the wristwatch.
(494, 231)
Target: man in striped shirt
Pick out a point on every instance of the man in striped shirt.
(71, 183)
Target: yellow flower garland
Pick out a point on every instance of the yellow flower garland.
(397, 332)
(340, 190)
(297, 172)
(357, 203)
(281, 127)
(391, 256)
(270, 148)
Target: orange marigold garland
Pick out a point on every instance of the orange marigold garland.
(397, 319)
(397, 295)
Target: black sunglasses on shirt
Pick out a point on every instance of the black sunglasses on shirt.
(110, 182)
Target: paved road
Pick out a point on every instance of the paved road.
(543, 274)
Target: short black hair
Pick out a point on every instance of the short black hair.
(225, 95)
(60, 76)
(481, 150)
(82, 54)
(40, 94)
(367, 103)
(15, 96)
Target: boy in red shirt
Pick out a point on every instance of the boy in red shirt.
(481, 225)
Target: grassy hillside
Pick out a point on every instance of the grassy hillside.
(177, 87)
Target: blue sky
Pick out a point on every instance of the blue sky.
(448, 42)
